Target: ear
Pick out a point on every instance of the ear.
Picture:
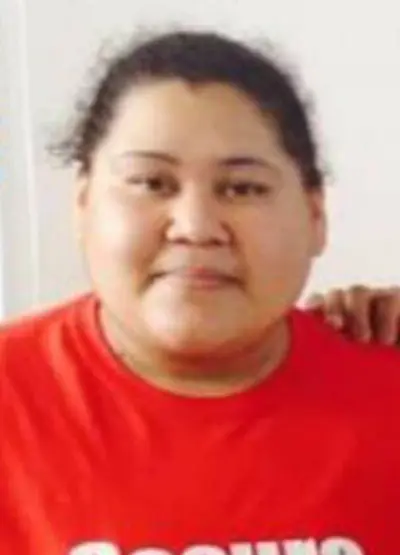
(317, 207)
(81, 202)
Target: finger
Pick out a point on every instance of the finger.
(328, 307)
(334, 309)
(315, 302)
(358, 307)
(387, 316)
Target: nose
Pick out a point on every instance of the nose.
(196, 217)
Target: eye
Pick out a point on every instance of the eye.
(153, 185)
(244, 189)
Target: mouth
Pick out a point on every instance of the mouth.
(199, 278)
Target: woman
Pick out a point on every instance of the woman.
(185, 406)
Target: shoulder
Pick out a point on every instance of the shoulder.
(353, 391)
(30, 336)
(38, 357)
(313, 330)
(355, 368)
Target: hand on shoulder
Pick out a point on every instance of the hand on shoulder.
(363, 313)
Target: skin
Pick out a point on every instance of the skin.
(362, 313)
(199, 235)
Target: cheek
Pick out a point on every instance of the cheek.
(278, 252)
(122, 235)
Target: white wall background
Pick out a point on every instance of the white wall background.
(348, 52)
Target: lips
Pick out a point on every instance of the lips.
(200, 277)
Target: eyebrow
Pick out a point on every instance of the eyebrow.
(229, 162)
(239, 161)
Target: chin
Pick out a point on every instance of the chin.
(194, 341)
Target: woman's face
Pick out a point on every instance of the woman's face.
(196, 226)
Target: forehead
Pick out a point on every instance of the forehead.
(193, 120)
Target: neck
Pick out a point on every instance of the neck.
(209, 375)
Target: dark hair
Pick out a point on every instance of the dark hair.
(199, 57)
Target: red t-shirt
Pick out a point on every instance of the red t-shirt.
(95, 461)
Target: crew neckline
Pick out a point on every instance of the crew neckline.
(271, 390)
